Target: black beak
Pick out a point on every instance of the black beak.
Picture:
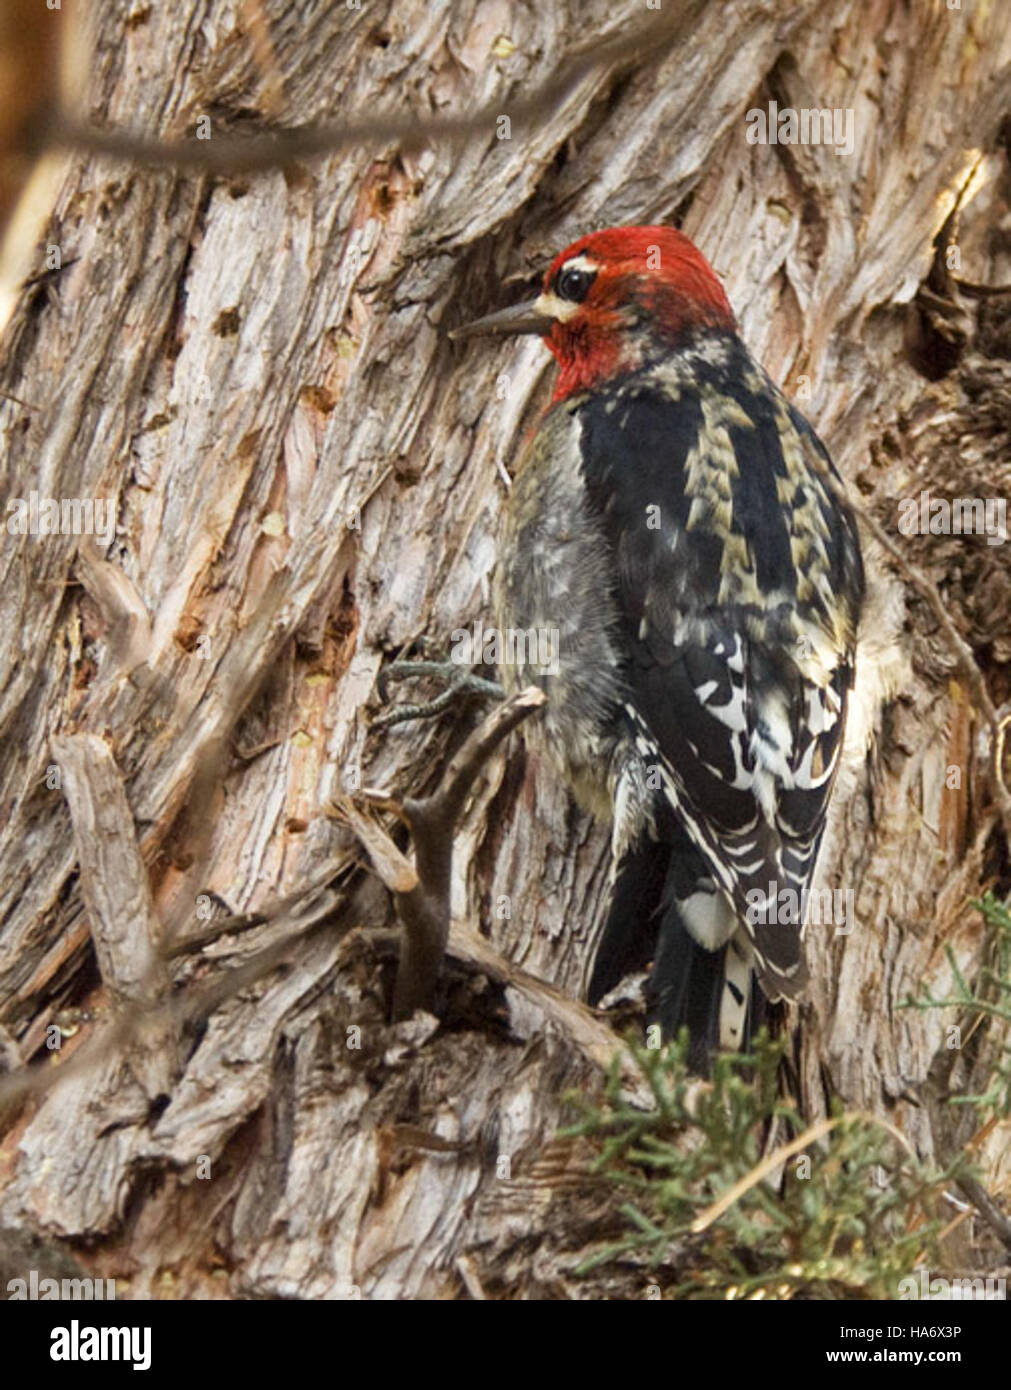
(521, 318)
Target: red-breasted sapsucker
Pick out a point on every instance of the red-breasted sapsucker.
(674, 522)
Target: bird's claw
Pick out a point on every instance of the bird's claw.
(459, 682)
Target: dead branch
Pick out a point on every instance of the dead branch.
(421, 890)
(275, 149)
(117, 894)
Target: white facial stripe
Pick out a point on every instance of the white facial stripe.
(581, 262)
(565, 309)
(562, 309)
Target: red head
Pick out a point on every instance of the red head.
(614, 298)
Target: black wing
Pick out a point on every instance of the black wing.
(739, 583)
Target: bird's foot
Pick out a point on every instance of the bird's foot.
(459, 682)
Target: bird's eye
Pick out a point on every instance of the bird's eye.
(574, 284)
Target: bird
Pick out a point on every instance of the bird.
(680, 530)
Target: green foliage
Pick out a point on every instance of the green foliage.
(988, 999)
(861, 1221)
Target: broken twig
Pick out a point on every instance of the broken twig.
(421, 890)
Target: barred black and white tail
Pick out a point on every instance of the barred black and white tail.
(666, 912)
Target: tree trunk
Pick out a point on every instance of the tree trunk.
(307, 479)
